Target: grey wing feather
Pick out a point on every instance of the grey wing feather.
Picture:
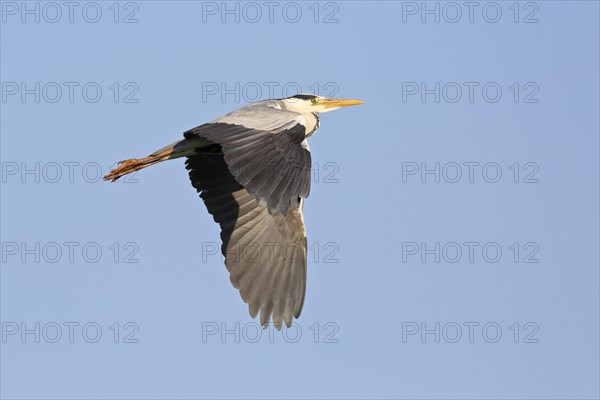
(265, 150)
(265, 252)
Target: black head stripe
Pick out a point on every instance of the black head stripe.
(304, 97)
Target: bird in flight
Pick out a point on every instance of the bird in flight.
(252, 169)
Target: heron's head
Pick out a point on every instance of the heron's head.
(307, 103)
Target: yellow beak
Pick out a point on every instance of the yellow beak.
(330, 103)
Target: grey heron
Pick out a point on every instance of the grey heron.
(252, 168)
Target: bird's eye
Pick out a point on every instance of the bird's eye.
(314, 100)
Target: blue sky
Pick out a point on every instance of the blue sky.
(452, 222)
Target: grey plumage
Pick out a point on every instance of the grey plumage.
(272, 166)
(252, 168)
(263, 171)
(265, 252)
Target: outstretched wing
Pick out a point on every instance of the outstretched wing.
(265, 252)
(266, 152)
